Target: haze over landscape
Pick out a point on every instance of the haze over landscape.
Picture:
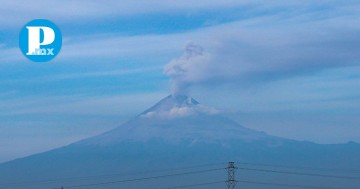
(179, 133)
(174, 86)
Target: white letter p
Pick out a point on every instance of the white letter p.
(34, 38)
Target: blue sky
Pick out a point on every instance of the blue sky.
(288, 68)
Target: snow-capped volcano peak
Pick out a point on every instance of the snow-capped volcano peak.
(174, 106)
(172, 101)
(176, 118)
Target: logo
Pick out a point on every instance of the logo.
(40, 40)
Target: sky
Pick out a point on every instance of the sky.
(289, 68)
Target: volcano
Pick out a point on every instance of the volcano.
(177, 119)
(178, 131)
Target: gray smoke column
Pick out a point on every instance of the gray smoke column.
(187, 69)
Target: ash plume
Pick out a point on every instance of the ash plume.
(187, 69)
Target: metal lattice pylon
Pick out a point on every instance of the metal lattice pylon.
(231, 182)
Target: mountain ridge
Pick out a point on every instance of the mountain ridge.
(190, 134)
(182, 117)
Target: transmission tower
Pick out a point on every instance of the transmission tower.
(231, 182)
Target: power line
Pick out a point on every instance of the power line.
(143, 178)
(195, 172)
(193, 167)
(109, 175)
(255, 182)
(194, 185)
(285, 185)
(300, 173)
(297, 167)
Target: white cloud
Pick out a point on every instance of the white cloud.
(115, 46)
(80, 50)
(252, 52)
(122, 104)
(15, 13)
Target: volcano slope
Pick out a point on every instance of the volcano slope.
(179, 132)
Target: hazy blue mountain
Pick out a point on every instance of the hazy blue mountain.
(176, 132)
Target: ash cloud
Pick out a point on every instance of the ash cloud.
(187, 69)
(247, 57)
